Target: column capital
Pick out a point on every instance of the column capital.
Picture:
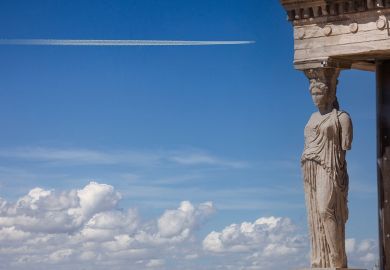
(323, 74)
(327, 76)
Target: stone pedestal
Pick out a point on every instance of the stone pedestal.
(332, 269)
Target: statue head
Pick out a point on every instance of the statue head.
(323, 95)
(323, 84)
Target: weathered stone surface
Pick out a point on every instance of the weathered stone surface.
(355, 32)
(328, 135)
(313, 9)
(353, 38)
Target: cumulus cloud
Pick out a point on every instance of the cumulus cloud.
(261, 242)
(270, 235)
(350, 244)
(48, 212)
(87, 229)
(185, 218)
(275, 242)
(155, 263)
(363, 252)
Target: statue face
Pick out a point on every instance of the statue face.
(320, 96)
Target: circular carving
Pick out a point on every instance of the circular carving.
(300, 33)
(327, 30)
(354, 27)
(381, 23)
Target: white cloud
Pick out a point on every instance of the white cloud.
(198, 158)
(362, 253)
(79, 156)
(95, 198)
(271, 236)
(274, 242)
(74, 156)
(269, 242)
(48, 212)
(350, 244)
(12, 234)
(368, 258)
(186, 217)
(155, 263)
(191, 256)
(366, 245)
(60, 255)
(86, 229)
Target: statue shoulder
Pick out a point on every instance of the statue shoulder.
(314, 115)
(344, 118)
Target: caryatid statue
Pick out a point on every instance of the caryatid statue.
(328, 134)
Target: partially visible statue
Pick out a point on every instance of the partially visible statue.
(328, 135)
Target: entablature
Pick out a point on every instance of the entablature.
(342, 38)
(304, 11)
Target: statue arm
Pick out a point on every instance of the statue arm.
(346, 131)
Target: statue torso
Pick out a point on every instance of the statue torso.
(323, 140)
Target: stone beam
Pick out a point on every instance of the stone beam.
(339, 33)
(313, 9)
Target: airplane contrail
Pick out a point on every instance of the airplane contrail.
(117, 42)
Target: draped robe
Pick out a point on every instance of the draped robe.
(326, 189)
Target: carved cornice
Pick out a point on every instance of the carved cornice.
(301, 11)
(339, 33)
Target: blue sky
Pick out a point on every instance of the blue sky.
(166, 124)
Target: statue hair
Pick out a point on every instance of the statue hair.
(328, 87)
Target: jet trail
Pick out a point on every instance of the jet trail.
(117, 42)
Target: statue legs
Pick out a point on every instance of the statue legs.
(337, 253)
(328, 202)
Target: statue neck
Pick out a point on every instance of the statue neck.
(325, 110)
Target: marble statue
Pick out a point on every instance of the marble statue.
(328, 134)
